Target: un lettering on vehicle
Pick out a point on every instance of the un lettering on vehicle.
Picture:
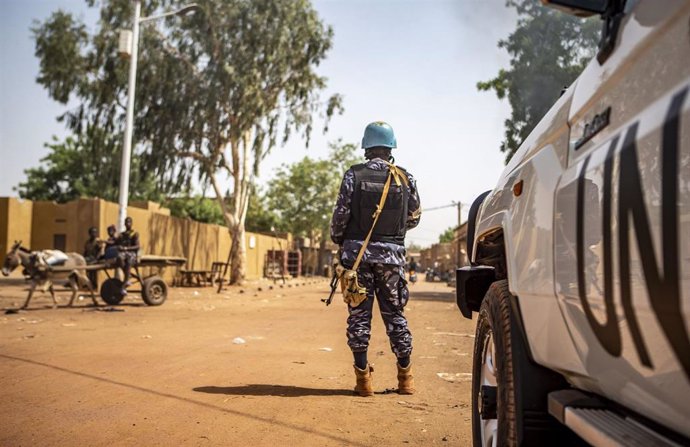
(622, 217)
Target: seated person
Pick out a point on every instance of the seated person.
(128, 248)
(93, 246)
(110, 251)
(93, 249)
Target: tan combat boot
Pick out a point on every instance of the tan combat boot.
(405, 380)
(364, 387)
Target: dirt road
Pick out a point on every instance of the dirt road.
(178, 374)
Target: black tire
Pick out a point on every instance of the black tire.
(111, 291)
(519, 400)
(154, 291)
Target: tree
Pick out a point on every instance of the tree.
(199, 208)
(76, 65)
(447, 236)
(303, 194)
(548, 51)
(69, 171)
(261, 217)
(216, 91)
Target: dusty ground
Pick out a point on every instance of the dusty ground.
(172, 375)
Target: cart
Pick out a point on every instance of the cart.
(154, 290)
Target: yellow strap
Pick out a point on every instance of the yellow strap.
(393, 173)
(398, 174)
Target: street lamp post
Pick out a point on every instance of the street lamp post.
(129, 122)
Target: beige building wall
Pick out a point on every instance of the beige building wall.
(48, 225)
(441, 253)
(425, 259)
(258, 246)
(15, 222)
(63, 226)
(460, 250)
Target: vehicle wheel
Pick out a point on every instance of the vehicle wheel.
(154, 291)
(111, 291)
(509, 392)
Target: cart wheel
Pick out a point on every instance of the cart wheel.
(110, 291)
(154, 291)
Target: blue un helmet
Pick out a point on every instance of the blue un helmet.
(378, 133)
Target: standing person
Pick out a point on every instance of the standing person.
(92, 252)
(412, 269)
(128, 250)
(381, 267)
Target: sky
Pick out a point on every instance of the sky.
(412, 63)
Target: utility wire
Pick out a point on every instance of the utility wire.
(451, 205)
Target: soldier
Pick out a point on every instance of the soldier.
(381, 270)
(128, 249)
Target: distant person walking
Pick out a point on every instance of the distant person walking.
(372, 242)
(412, 270)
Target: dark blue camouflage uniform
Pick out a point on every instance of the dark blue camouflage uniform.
(381, 271)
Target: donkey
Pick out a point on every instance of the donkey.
(42, 275)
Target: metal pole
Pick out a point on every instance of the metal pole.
(129, 124)
(457, 243)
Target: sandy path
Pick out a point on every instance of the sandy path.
(171, 375)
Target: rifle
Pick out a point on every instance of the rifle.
(334, 287)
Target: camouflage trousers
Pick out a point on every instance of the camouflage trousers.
(386, 282)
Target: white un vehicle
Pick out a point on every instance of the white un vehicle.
(580, 271)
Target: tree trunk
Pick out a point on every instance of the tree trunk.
(236, 213)
(241, 183)
(238, 254)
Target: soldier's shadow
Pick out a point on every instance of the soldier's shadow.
(271, 390)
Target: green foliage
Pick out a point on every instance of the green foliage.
(201, 209)
(548, 50)
(232, 71)
(59, 79)
(261, 218)
(303, 194)
(70, 171)
(342, 156)
(447, 236)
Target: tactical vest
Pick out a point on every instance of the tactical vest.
(391, 226)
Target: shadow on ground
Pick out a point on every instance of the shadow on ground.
(270, 422)
(88, 307)
(271, 390)
(14, 281)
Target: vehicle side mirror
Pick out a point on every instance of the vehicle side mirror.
(580, 8)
